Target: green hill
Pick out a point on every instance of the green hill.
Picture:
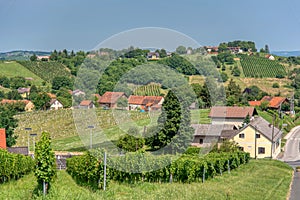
(260, 67)
(13, 69)
(46, 70)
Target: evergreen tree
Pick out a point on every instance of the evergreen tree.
(267, 50)
(174, 128)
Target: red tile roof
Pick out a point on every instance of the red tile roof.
(231, 112)
(276, 102)
(136, 100)
(85, 103)
(2, 139)
(110, 97)
(254, 103)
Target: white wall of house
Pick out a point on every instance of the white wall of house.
(56, 105)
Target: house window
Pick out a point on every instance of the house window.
(261, 150)
(241, 148)
(242, 135)
(201, 141)
(257, 135)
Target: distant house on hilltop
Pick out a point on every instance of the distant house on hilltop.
(270, 57)
(153, 56)
(44, 58)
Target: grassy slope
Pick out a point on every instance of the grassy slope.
(12, 69)
(63, 132)
(260, 179)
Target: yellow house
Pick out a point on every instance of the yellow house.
(24, 92)
(259, 138)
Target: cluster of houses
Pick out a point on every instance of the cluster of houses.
(260, 138)
(215, 49)
(109, 100)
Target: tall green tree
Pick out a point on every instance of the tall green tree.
(62, 81)
(174, 131)
(8, 122)
(45, 161)
(267, 50)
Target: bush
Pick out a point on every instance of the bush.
(275, 85)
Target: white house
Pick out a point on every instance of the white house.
(55, 105)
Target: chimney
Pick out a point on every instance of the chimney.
(2, 138)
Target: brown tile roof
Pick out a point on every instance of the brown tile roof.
(231, 112)
(110, 97)
(52, 96)
(228, 134)
(85, 103)
(137, 100)
(8, 101)
(152, 100)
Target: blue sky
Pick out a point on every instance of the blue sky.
(81, 25)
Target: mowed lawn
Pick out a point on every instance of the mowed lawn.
(13, 69)
(260, 179)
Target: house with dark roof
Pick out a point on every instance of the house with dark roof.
(86, 104)
(259, 138)
(153, 56)
(18, 150)
(231, 115)
(109, 99)
(24, 92)
(207, 135)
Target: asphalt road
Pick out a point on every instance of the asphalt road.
(292, 147)
(292, 157)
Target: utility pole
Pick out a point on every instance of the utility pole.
(255, 144)
(272, 142)
(292, 106)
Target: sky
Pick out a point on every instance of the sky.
(82, 25)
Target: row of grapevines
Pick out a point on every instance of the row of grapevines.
(86, 170)
(148, 90)
(135, 167)
(46, 70)
(261, 67)
(14, 166)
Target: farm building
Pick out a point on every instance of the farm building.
(109, 99)
(146, 103)
(274, 103)
(209, 134)
(231, 115)
(153, 56)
